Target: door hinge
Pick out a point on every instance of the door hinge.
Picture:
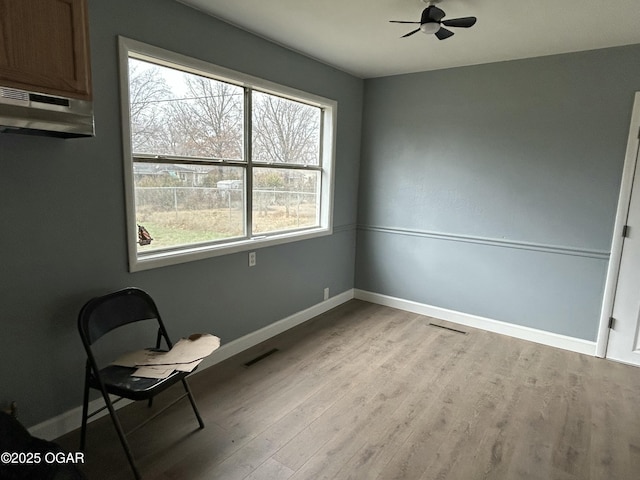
(612, 321)
(625, 231)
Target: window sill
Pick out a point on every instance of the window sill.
(164, 258)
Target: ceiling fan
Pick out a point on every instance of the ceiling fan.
(432, 21)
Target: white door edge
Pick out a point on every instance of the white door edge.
(621, 218)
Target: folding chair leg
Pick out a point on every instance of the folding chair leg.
(121, 434)
(85, 413)
(193, 403)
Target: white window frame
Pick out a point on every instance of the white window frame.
(160, 258)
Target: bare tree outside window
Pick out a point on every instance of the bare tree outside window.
(284, 131)
(209, 118)
(148, 90)
(182, 114)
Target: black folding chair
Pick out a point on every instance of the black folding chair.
(100, 316)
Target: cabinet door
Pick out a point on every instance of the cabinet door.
(44, 46)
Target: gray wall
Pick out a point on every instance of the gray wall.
(492, 189)
(63, 217)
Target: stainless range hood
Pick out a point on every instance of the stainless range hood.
(34, 113)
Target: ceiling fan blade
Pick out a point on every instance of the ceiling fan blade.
(464, 22)
(411, 33)
(401, 21)
(432, 14)
(443, 33)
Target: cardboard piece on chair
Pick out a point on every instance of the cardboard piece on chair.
(185, 355)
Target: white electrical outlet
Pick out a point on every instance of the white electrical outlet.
(326, 293)
(252, 259)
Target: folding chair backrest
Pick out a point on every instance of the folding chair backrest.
(103, 314)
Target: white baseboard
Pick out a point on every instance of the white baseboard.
(70, 420)
(525, 333)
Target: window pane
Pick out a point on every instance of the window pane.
(284, 131)
(285, 199)
(184, 204)
(182, 114)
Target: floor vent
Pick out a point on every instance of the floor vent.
(260, 357)
(448, 328)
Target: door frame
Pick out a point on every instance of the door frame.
(622, 212)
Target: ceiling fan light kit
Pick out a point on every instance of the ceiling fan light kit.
(429, 28)
(432, 21)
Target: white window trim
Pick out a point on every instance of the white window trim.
(198, 252)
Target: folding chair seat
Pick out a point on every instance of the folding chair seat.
(100, 316)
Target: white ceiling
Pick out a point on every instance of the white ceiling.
(356, 36)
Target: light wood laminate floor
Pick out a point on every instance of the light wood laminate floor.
(370, 392)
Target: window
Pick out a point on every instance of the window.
(217, 161)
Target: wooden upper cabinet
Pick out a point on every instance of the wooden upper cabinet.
(44, 47)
